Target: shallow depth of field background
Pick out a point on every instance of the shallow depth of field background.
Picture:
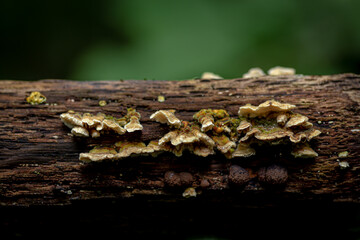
(164, 39)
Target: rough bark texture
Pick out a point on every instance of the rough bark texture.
(39, 158)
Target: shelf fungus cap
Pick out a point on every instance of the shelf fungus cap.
(281, 119)
(178, 137)
(297, 120)
(98, 154)
(80, 132)
(254, 72)
(92, 121)
(195, 141)
(71, 119)
(210, 75)
(276, 71)
(166, 116)
(238, 175)
(133, 125)
(275, 134)
(243, 150)
(223, 143)
(155, 146)
(264, 109)
(249, 134)
(189, 192)
(127, 149)
(307, 134)
(304, 151)
(273, 175)
(94, 133)
(202, 151)
(243, 126)
(109, 124)
(207, 123)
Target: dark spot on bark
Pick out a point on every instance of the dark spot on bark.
(238, 175)
(273, 175)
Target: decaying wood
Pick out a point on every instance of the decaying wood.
(39, 158)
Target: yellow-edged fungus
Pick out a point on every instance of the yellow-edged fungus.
(254, 72)
(36, 98)
(133, 125)
(82, 124)
(276, 71)
(264, 109)
(166, 116)
(210, 75)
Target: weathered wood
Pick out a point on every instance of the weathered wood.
(39, 158)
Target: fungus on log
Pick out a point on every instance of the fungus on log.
(39, 156)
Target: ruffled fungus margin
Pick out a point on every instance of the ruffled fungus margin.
(87, 124)
(270, 123)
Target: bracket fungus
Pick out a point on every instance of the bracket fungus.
(166, 116)
(120, 150)
(207, 118)
(210, 75)
(87, 124)
(304, 151)
(133, 125)
(224, 145)
(274, 123)
(188, 137)
(82, 124)
(243, 150)
(189, 192)
(254, 72)
(270, 123)
(264, 109)
(276, 71)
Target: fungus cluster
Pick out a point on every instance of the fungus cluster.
(89, 125)
(274, 123)
(275, 71)
(270, 123)
(183, 136)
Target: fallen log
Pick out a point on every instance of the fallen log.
(39, 158)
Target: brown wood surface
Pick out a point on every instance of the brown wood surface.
(39, 158)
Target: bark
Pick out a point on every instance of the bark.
(39, 158)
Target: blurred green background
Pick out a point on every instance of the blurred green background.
(164, 39)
